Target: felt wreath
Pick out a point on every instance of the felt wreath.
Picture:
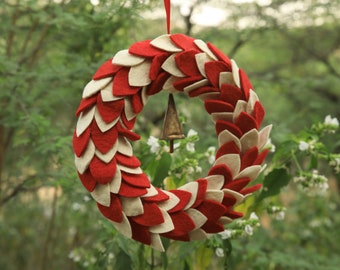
(104, 156)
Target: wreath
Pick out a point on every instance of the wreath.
(104, 157)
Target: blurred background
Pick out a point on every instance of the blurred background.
(49, 50)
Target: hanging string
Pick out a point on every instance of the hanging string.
(167, 11)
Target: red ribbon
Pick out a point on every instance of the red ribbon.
(167, 11)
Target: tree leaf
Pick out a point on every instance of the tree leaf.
(162, 170)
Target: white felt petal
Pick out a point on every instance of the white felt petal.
(123, 227)
(252, 172)
(249, 140)
(139, 75)
(201, 59)
(151, 191)
(232, 161)
(238, 196)
(215, 181)
(198, 234)
(210, 95)
(156, 242)
(132, 206)
(192, 187)
(214, 195)
(116, 182)
(226, 136)
(137, 170)
(84, 120)
(227, 116)
(109, 155)
(124, 146)
(225, 220)
(204, 47)
(107, 95)
(264, 135)
(170, 203)
(236, 75)
(164, 43)
(101, 194)
(128, 109)
(198, 218)
(145, 97)
(124, 58)
(170, 66)
(166, 226)
(83, 162)
(169, 84)
(196, 85)
(251, 101)
(226, 78)
(95, 86)
(241, 106)
(103, 126)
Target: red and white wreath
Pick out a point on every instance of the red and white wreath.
(107, 113)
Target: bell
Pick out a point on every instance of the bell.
(171, 129)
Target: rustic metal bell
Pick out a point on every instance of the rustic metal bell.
(172, 129)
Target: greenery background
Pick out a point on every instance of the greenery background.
(48, 52)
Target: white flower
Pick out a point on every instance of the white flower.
(190, 147)
(280, 215)
(198, 169)
(270, 145)
(226, 234)
(249, 229)
(191, 133)
(303, 146)
(154, 144)
(336, 164)
(253, 216)
(329, 121)
(219, 252)
(211, 154)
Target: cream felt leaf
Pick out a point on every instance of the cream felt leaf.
(249, 140)
(201, 59)
(95, 86)
(103, 126)
(170, 66)
(239, 197)
(198, 234)
(132, 206)
(124, 146)
(139, 74)
(83, 162)
(156, 242)
(169, 84)
(124, 58)
(204, 47)
(128, 109)
(164, 43)
(264, 135)
(225, 220)
(116, 182)
(84, 120)
(107, 95)
(107, 157)
(232, 161)
(215, 182)
(222, 116)
(124, 227)
(171, 203)
(123, 168)
(226, 136)
(236, 75)
(226, 78)
(196, 85)
(241, 106)
(101, 194)
(215, 195)
(198, 218)
(211, 95)
(251, 172)
(164, 227)
(251, 101)
(192, 187)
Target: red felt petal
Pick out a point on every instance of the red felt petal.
(80, 143)
(186, 62)
(140, 233)
(121, 85)
(202, 189)
(249, 157)
(252, 189)
(109, 111)
(227, 148)
(238, 184)
(129, 124)
(184, 198)
(214, 106)
(160, 197)
(137, 103)
(222, 169)
(106, 70)
(261, 157)
(228, 200)
(114, 211)
(233, 214)
(220, 55)
(183, 225)
(127, 133)
(231, 94)
(103, 141)
(259, 113)
(86, 103)
(157, 85)
(245, 122)
(101, 171)
(129, 191)
(212, 227)
(225, 125)
(211, 209)
(213, 70)
(203, 90)
(87, 180)
(156, 65)
(182, 83)
(131, 162)
(184, 42)
(151, 216)
(137, 180)
(144, 49)
(245, 83)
